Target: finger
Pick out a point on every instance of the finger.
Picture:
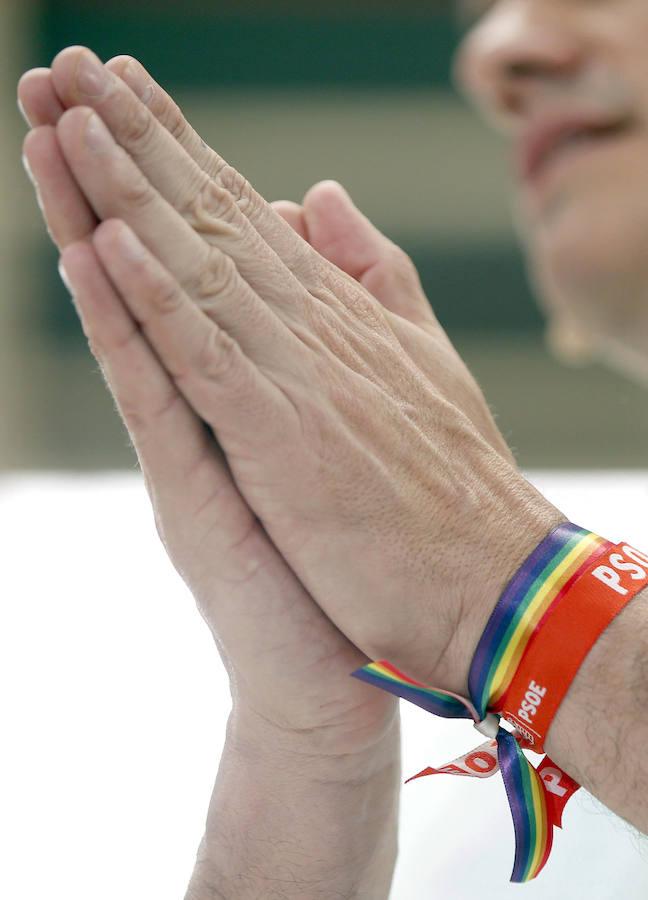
(199, 512)
(167, 434)
(78, 76)
(117, 189)
(272, 227)
(209, 368)
(67, 214)
(163, 108)
(42, 105)
(342, 234)
(185, 472)
(37, 99)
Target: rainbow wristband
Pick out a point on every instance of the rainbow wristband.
(541, 588)
(546, 576)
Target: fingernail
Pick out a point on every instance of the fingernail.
(21, 109)
(138, 82)
(41, 206)
(27, 168)
(92, 79)
(130, 244)
(65, 278)
(36, 186)
(97, 137)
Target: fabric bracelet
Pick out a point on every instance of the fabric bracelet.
(547, 620)
(564, 638)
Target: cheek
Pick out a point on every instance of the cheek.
(589, 256)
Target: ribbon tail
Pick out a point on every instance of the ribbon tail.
(559, 788)
(478, 763)
(530, 811)
(384, 675)
(422, 774)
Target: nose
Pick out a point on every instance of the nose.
(513, 55)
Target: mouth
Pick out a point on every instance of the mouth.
(548, 143)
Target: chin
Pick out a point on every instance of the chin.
(589, 263)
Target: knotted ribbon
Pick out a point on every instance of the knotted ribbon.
(536, 797)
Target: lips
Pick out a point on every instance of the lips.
(545, 141)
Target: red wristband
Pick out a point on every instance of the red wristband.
(566, 636)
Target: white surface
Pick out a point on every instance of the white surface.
(114, 704)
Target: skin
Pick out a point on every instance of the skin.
(295, 709)
(293, 698)
(405, 370)
(330, 731)
(283, 323)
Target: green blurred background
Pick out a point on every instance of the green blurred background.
(290, 94)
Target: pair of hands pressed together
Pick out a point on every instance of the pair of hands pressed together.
(357, 500)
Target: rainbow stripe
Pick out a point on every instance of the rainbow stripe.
(529, 809)
(387, 677)
(545, 577)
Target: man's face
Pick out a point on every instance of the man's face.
(567, 80)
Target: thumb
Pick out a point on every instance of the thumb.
(342, 234)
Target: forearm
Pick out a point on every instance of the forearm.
(285, 823)
(600, 733)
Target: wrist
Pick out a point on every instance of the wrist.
(283, 815)
(521, 518)
(314, 752)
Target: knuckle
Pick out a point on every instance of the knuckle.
(240, 190)
(232, 181)
(165, 296)
(219, 355)
(216, 277)
(138, 126)
(173, 119)
(210, 204)
(135, 191)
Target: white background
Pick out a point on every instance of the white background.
(114, 703)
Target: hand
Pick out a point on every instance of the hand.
(370, 476)
(312, 705)
(289, 665)
(524, 517)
